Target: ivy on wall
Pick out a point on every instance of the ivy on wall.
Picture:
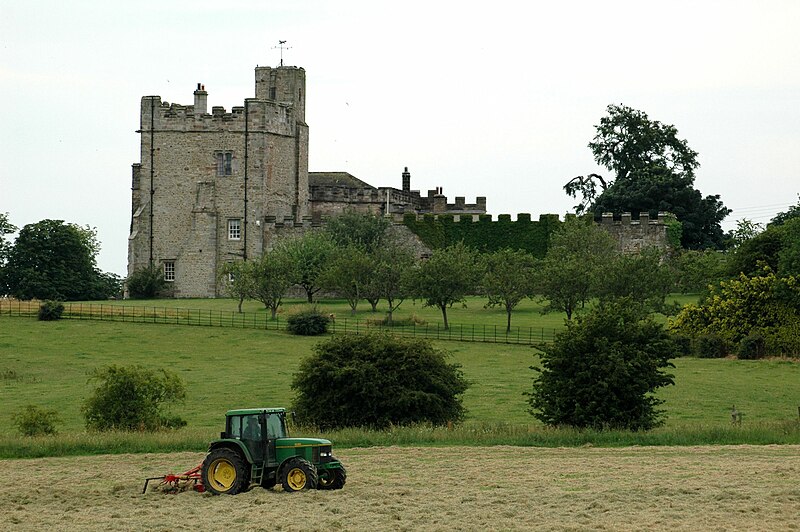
(486, 235)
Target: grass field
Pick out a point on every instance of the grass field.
(47, 364)
(454, 488)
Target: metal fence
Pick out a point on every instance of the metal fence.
(261, 320)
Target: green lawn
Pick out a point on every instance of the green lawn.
(47, 364)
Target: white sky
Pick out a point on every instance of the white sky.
(481, 98)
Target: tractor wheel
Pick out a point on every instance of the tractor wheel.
(298, 474)
(332, 479)
(225, 472)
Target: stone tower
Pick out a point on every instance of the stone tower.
(208, 182)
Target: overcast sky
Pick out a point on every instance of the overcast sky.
(495, 99)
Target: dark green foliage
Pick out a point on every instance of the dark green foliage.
(54, 260)
(695, 270)
(133, 398)
(146, 283)
(682, 344)
(377, 381)
(364, 231)
(603, 370)
(711, 346)
(309, 256)
(309, 322)
(350, 273)
(641, 278)
(654, 172)
(485, 235)
(777, 247)
(789, 214)
(50, 310)
(6, 228)
(752, 347)
(35, 421)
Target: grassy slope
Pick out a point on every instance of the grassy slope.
(47, 364)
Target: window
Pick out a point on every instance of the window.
(224, 163)
(272, 93)
(234, 229)
(169, 270)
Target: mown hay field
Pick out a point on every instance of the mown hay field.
(453, 488)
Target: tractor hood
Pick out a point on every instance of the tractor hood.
(300, 442)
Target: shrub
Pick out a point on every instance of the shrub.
(309, 322)
(35, 421)
(133, 398)
(711, 346)
(50, 310)
(145, 283)
(602, 371)
(377, 381)
(752, 347)
(682, 344)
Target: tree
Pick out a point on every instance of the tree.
(309, 256)
(571, 271)
(377, 381)
(365, 231)
(54, 260)
(145, 283)
(745, 230)
(6, 228)
(694, 270)
(508, 279)
(789, 214)
(603, 370)
(640, 278)
(778, 247)
(271, 277)
(392, 276)
(349, 273)
(447, 277)
(654, 171)
(133, 398)
(237, 277)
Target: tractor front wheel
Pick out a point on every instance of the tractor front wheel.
(224, 472)
(298, 474)
(332, 479)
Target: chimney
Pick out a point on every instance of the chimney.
(406, 180)
(200, 100)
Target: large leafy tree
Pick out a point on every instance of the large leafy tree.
(309, 256)
(55, 260)
(351, 228)
(447, 277)
(6, 228)
(778, 247)
(507, 279)
(653, 171)
(603, 370)
(349, 274)
(571, 272)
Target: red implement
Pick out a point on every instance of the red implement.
(174, 483)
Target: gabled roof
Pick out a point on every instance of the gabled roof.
(336, 179)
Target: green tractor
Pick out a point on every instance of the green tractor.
(256, 449)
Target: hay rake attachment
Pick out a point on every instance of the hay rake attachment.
(170, 483)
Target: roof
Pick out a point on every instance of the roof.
(248, 411)
(336, 179)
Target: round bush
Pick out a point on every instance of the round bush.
(377, 381)
(51, 310)
(308, 323)
(711, 346)
(133, 398)
(35, 421)
(752, 347)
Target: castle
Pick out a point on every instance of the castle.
(212, 188)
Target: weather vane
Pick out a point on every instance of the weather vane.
(282, 48)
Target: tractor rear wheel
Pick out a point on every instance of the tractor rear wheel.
(298, 474)
(225, 472)
(332, 479)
